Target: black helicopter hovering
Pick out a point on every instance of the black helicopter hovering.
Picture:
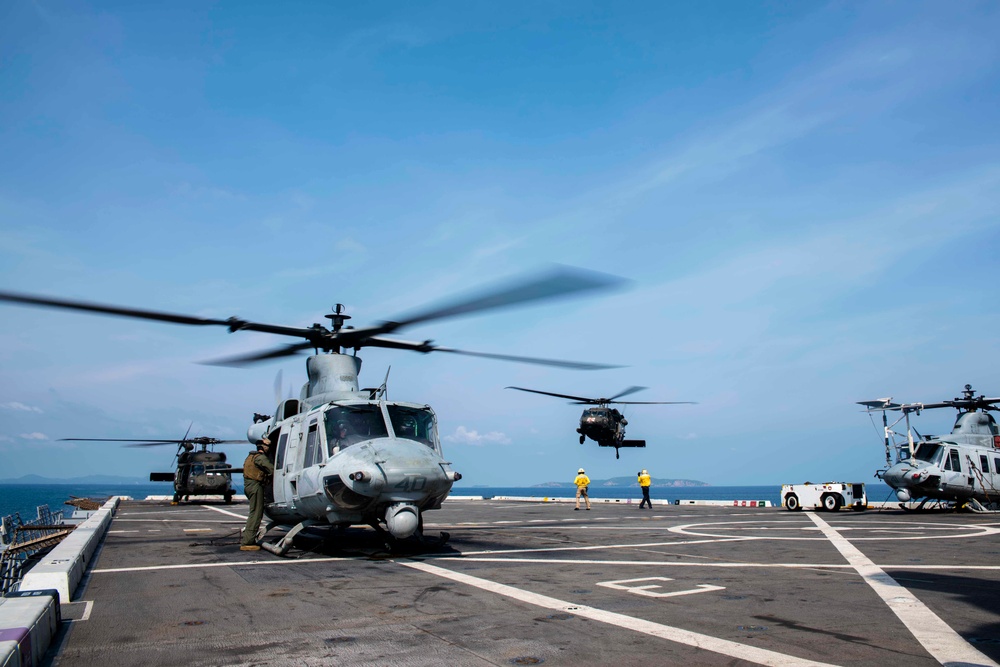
(346, 455)
(199, 473)
(604, 424)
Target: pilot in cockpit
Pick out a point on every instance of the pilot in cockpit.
(407, 428)
(339, 439)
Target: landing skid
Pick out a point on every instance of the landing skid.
(914, 509)
(284, 544)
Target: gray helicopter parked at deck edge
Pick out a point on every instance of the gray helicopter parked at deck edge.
(602, 423)
(962, 467)
(345, 455)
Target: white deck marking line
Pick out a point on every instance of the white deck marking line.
(116, 532)
(555, 561)
(222, 511)
(936, 636)
(703, 530)
(197, 530)
(211, 520)
(193, 566)
(87, 608)
(792, 566)
(638, 563)
(600, 547)
(670, 633)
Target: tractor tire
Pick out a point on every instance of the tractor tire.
(792, 502)
(831, 502)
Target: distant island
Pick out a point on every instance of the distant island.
(623, 482)
(89, 479)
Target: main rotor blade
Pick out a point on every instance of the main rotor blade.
(137, 440)
(559, 282)
(630, 390)
(233, 323)
(33, 300)
(427, 346)
(655, 402)
(574, 365)
(579, 399)
(253, 357)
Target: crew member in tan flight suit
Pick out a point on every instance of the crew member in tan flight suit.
(257, 471)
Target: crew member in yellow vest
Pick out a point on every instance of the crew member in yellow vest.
(257, 471)
(582, 482)
(644, 482)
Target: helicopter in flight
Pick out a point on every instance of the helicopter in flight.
(198, 473)
(961, 467)
(347, 455)
(603, 423)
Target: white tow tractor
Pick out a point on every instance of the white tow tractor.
(830, 496)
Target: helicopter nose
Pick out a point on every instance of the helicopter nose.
(895, 475)
(412, 470)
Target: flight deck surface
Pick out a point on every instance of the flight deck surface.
(540, 583)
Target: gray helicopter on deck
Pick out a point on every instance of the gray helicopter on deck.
(198, 473)
(602, 423)
(961, 467)
(346, 455)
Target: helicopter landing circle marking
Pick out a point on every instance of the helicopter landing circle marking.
(714, 530)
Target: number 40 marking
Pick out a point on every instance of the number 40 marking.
(646, 589)
(413, 483)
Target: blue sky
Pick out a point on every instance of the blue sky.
(805, 196)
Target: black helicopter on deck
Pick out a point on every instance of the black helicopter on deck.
(602, 423)
(199, 473)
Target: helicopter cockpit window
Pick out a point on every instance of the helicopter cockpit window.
(350, 424)
(928, 452)
(413, 424)
(197, 469)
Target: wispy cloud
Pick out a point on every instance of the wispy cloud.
(464, 436)
(20, 407)
(34, 436)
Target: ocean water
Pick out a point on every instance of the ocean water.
(25, 498)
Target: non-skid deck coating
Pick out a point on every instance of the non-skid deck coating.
(525, 583)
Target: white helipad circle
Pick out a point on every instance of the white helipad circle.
(796, 530)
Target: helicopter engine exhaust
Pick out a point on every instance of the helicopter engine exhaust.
(402, 520)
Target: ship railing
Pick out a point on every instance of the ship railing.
(22, 542)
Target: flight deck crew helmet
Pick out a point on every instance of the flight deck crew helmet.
(645, 472)
(580, 471)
